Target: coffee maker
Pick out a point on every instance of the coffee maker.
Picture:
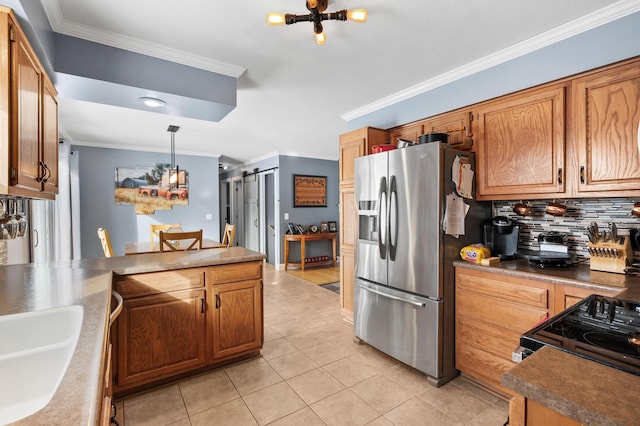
(501, 235)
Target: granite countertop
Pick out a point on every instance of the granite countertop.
(87, 283)
(579, 275)
(583, 390)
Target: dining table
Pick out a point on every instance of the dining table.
(143, 247)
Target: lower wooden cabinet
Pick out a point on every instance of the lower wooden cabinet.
(567, 296)
(493, 310)
(237, 313)
(160, 336)
(179, 321)
(524, 411)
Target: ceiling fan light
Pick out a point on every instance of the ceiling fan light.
(320, 38)
(357, 15)
(276, 19)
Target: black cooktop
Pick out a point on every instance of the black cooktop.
(603, 329)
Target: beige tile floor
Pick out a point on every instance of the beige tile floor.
(311, 373)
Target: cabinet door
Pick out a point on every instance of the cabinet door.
(356, 144)
(567, 296)
(607, 117)
(237, 318)
(348, 219)
(50, 136)
(521, 145)
(456, 124)
(410, 132)
(160, 336)
(347, 278)
(26, 83)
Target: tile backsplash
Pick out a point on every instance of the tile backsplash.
(580, 213)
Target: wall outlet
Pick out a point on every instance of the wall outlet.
(286, 216)
(209, 216)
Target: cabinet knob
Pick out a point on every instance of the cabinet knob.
(217, 301)
(560, 175)
(581, 174)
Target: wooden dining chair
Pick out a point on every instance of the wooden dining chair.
(229, 235)
(103, 234)
(167, 240)
(155, 229)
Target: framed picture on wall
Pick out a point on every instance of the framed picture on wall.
(333, 227)
(309, 191)
(324, 226)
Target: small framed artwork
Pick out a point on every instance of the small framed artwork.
(324, 226)
(300, 229)
(333, 227)
(309, 191)
(292, 229)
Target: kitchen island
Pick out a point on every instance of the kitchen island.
(88, 283)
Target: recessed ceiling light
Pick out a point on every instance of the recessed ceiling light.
(152, 102)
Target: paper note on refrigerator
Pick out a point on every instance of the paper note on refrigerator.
(455, 212)
(462, 176)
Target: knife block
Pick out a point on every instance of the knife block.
(611, 256)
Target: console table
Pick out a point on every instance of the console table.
(303, 238)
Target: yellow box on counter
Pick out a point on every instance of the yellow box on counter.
(475, 253)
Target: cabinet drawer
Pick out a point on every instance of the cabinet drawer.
(491, 339)
(498, 312)
(235, 272)
(483, 366)
(159, 282)
(526, 292)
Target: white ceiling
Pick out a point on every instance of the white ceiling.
(294, 93)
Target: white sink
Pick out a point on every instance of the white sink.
(35, 350)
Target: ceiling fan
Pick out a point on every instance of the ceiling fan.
(317, 15)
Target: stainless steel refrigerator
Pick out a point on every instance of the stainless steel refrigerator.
(404, 284)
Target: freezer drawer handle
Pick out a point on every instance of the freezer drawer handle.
(399, 299)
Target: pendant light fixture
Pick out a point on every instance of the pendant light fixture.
(174, 171)
(317, 15)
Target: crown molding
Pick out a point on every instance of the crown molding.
(60, 25)
(595, 19)
(143, 149)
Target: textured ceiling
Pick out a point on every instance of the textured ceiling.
(291, 92)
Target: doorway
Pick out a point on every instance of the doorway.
(252, 212)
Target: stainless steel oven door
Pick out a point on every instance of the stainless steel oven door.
(402, 325)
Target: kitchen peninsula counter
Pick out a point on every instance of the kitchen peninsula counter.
(87, 283)
(583, 390)
(579, 275)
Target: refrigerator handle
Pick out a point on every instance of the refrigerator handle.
(382, 195)
(399, 299)
(393, 236)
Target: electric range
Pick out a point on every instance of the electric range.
(599, 328)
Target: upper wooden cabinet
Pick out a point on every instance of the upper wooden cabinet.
(356, 144)
(457, 124)
(409, 132)
(521, 145)
(607, 126)
(29, 131)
